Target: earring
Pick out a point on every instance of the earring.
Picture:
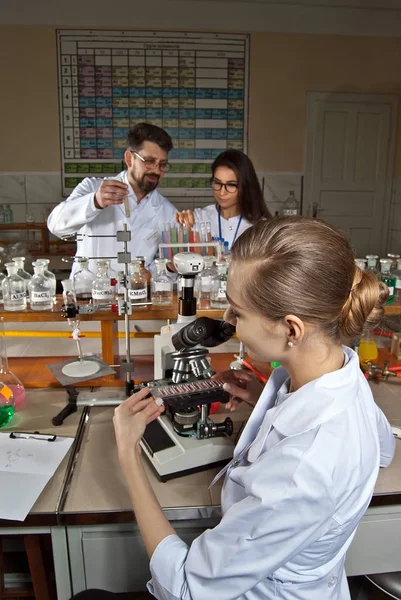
(290, 344)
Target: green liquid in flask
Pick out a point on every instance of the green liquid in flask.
(6, 414)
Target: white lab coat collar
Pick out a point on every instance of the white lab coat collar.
(311, 405)
(318, 401)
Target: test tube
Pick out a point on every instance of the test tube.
(173, 233)
(185, 234)
(180, 235)
(169, 254)
(209, 237)
(203, 238)
(164, 241)
(197, 237)
(192, 237)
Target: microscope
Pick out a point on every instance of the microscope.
(184, 439)
(188, 265)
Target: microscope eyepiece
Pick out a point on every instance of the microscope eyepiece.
(204, 331)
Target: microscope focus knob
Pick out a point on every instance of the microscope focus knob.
(229, 426)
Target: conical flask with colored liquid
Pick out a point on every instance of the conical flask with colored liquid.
(8, 382)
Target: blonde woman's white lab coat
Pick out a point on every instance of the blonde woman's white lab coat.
(302, 476)
(78, 214)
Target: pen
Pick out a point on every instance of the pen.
(19, 435)
(253, 369)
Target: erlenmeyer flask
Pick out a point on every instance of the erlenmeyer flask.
(7, 378)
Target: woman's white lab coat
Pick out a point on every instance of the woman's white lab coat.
(78, 214)
(229, 226)
(302, 476)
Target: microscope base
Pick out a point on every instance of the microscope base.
(173, 455)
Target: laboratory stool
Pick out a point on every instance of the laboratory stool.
(388, 583)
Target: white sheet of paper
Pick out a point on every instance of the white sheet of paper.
(26, 465)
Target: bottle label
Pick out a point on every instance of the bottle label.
(17, 295)
(159, 286)
(290, 212)
(40, 296)
(140, 294)
(391, 290)
(102, 294)
(221, 293)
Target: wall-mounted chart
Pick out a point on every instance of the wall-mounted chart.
(194, 85)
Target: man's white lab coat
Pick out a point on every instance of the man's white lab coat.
(78, 214)
(302, 476)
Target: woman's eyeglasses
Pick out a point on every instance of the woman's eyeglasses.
(230, 187)
(152, 163)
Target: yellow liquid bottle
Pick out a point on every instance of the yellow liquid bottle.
(367, 348)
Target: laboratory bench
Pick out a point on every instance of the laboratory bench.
(87, 511)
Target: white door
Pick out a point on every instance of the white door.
(349, 165)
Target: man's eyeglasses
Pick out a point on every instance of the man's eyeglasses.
(152, 163)
(230, 187)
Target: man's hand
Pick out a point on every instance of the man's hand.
(110, 192)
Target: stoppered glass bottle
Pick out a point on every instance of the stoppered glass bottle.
(14, 289)
(218, 298)
(83, 279)
(372, 264)
(162, 284)
(51, 276)
(204, 282)
(102, 288)
(145, 273)
(388, 278)
(137, 289)
(20, 262)
(40, 288)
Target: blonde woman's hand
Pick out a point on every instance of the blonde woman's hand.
(130, 420)
(242, 386)
(185, 217)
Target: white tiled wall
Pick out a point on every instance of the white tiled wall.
(38, 193)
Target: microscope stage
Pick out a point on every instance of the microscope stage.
(173, 455)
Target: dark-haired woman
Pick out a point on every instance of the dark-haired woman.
(239, 198)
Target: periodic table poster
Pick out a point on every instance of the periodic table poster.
(194, 85)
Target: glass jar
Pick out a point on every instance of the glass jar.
(388, 278)
(361, 263)
(40, 288)
(372, 264)
(102, 288)
(367, 348)
(397, 275)
(145, 273)
(218, 298)
(204, 282)
(20, 262)
(8, 379)
(137, 288)
(83, 280)
(49, 275)
(162, 284)
(14, 289)
(393, 258)
(2, 278)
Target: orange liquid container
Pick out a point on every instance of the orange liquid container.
(367, 351)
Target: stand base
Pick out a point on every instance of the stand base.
(81, 368)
